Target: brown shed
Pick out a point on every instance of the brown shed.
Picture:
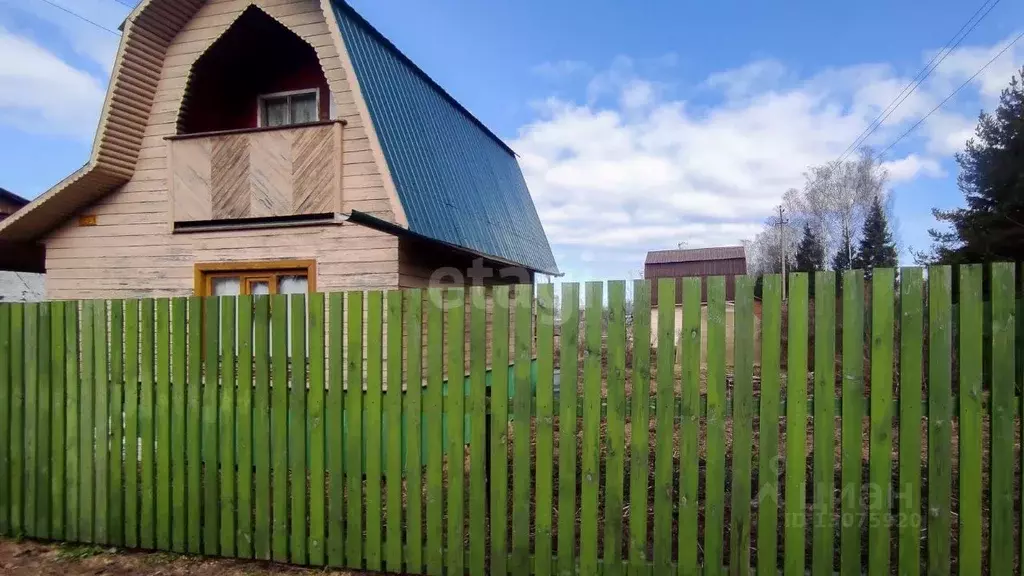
(728, 261)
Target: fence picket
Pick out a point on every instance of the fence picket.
(591, 440)
(823, 539)
(567, 426)
(615, 427)
(432, 412)
(335, 431)
(768, 431)
(477, 407)
(42, 432)
(315, 415)
(715, 475)
(163, 425)
(880, 463)
(131, 418)
(297, 429)
(279, 425)
(911, 365)
(211, 380)
(1001, 544)
(639, 428)
(664, 416)
(58, 412)
(689, 428)
(147, 467)
(414, 431)
(796, 427)
(226, 425)
(970, 433)
(86, 431)
(115, 486)
(101, 383)
(5, 418)
(742, 431)
(521, 407)
(393, 412)
(455, 412)
(940, 412)
(852, 423)
(243, 422)
(30, 361)
(372, 426)
(179, 370)
(545, 427)
(261, 426)
(17, 437)
(194, 426)
(42, 359)
(354, 430)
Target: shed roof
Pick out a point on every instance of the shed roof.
(695, 254)
(457, 181)
(13, 198)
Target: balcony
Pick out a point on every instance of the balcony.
(255, 174)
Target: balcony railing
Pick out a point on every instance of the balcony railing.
(256, 172)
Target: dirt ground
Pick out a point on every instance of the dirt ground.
(28, 558)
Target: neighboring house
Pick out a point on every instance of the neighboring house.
(728, 261)
(277, 146)
(10, 203)
(18, 283)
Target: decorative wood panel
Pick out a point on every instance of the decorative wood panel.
(313, 170)
(271, 176)
(191, 180)
(256, 173)
(229, 176)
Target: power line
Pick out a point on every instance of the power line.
(914, 84)
(80, 17)
(954, 93)
(128, 4)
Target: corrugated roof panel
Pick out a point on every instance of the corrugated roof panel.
(458, 182)
(695, 254)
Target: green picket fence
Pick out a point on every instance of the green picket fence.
(132, 423)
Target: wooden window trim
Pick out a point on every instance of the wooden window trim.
(266, 269)
(286, 94)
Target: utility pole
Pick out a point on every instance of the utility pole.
(782, 247)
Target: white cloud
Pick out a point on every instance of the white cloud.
(911, 167)
(641, 170)
(41, 93)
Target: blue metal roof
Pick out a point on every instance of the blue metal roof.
(458, 182)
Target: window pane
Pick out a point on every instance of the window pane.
(292, 285)
(275, 111)
(304, 108)
(226, 286)
(259, 287)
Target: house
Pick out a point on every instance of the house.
(275, 146)
(21, 281)
(10, 203)
(728, 261)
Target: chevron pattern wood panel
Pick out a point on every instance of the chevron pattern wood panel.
(230, 176)
(263, 173)
(190, 179)
(313, 170)
(271, 176)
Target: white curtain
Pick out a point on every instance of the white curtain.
(304, 109)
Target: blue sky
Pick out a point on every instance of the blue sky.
(637, 128)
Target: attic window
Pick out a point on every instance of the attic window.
(286, 108)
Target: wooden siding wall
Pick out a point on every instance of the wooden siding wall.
(730, 268)
(131, 251)
(257, 174)
(7, 208)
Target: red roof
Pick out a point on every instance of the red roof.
(695, 255)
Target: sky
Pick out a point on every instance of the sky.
(637, 128)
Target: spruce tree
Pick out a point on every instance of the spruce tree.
(991, 225)
(877, 248)
(841, 261)
(810, 256)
